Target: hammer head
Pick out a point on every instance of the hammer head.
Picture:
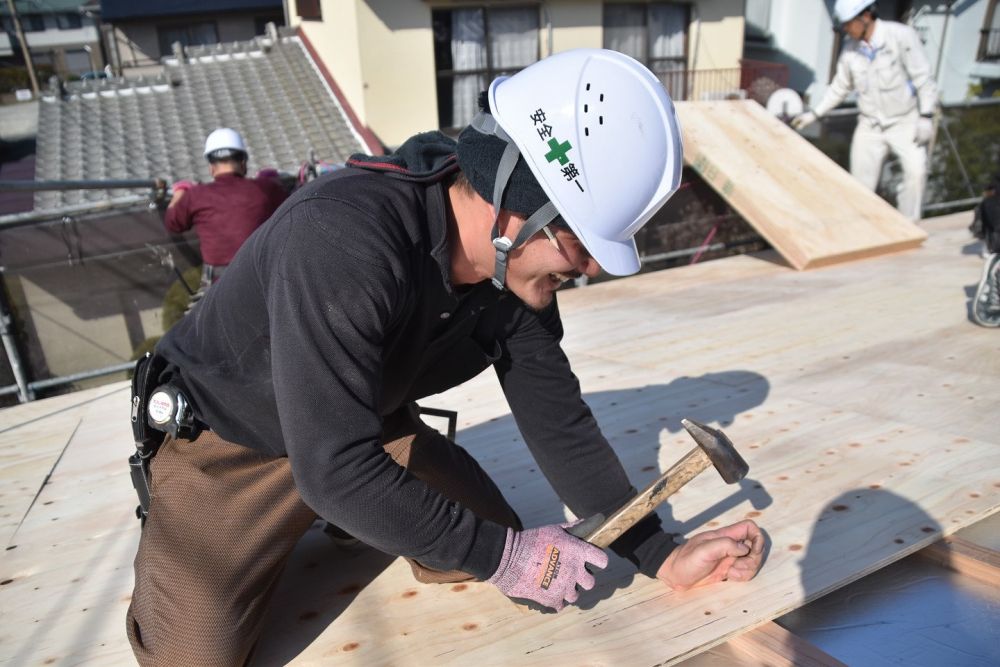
(719, 449)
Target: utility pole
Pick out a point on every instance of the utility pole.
(24, 47)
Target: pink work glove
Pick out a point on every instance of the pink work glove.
(178, 186)
(545, 565)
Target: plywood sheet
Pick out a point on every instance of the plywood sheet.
(809, 209)
(832, 383)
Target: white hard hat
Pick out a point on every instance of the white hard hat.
(845, 10)
(600, 135)
(224, 139)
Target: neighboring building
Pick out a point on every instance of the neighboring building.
(141, 33)
(963, 44)
(62, 38)
(407, 66)
(961, 39)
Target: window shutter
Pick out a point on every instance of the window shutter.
(309, 9)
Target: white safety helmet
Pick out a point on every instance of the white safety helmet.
(600, 135)
(224, 143)
(845, 10)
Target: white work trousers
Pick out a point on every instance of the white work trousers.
(869, 147)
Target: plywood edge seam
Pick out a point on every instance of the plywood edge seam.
(966, 558)
(865, 253)
(771, 644)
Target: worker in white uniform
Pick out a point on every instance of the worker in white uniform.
(884, 63)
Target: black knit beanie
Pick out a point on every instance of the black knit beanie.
(479, 156)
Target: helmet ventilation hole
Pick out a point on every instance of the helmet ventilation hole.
(586, 109)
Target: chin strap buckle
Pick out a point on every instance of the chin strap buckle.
(502, 244)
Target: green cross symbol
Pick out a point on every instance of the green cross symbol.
(558, 151)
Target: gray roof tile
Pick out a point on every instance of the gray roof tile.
(266, 88)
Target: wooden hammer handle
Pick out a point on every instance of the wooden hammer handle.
(649, 498)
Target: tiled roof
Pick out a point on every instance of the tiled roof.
(268, 89)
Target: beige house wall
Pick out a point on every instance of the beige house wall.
(381, 55)
(337, 41)
(715, 35)
(398, 68)
(571, 24)
(381, 52)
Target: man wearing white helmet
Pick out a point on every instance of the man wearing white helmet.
(227, 210)
(390, 280)
(884, 63)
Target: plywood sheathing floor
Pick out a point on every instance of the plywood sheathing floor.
(807, 207)
(864, 401)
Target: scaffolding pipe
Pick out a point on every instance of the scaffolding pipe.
(22, 389)
(68, 379)
(87, 184)
(56, 215)
(958, 203)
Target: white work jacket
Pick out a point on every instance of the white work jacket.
(889, 73)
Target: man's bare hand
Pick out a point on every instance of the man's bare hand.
(732, 553)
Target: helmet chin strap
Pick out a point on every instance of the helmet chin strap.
(502, 245)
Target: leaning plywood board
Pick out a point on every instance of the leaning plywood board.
(807, 207)
(845, 476)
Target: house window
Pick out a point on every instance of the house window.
(653, 33)
(32, 22)
(989, 41)
(309, 10)
(69, 20)
(473, 46)
(192, 34)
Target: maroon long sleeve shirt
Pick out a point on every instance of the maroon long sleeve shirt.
(224, 213)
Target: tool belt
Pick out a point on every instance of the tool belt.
(157, 409)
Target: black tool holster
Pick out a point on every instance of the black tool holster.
(147, 439)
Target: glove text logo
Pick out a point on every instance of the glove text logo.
(551, 567)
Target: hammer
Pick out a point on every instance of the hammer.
(714, 448)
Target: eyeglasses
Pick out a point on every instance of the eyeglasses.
(557, 244)
(552, 238)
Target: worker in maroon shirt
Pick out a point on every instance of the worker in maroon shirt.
(226, 211)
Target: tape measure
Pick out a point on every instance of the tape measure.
(168, 410)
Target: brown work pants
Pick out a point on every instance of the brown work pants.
(223, 521)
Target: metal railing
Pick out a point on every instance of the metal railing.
(989, 44)
(157, 192)
(753, 80)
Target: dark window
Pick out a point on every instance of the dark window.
(473, 46)
(989, 40)
(309, 10)
(32, 22)
(653, 33)
(69, 20)
(192, 34)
